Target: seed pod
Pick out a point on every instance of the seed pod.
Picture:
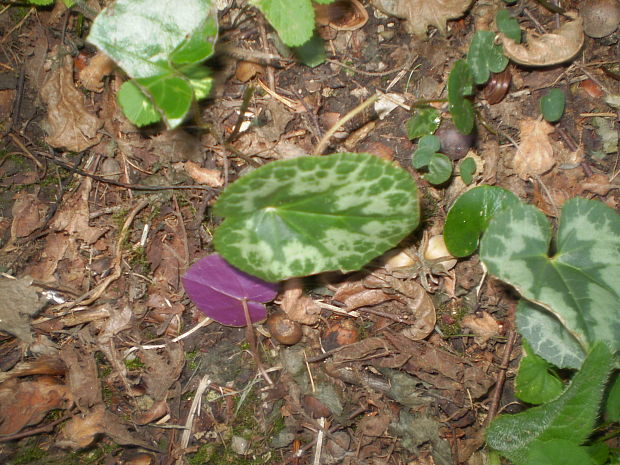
(283, 329)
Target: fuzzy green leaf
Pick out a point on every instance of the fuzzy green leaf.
(552, 105)
(470, 215)
(508, 25)
(535, 383)
(580, 284)
(292, 19)
(612, 409)
(569, 418)
(424, 121)
(460, 85)
(485, 57)
(138, 108)
(144, 36)
(312, 214)
(558, 452)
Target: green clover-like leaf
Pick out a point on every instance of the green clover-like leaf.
(485, 56)
(580, 282)
(312, 214)
(439, 169)
(424, 121)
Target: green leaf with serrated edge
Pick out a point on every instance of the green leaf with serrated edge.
(570, 417)
(467, 168)
(171, 95)
(424, 121)
(311, 53)
(580, 284)
(547, 336)
(137, 107)
(612, 407)
(535, 383)
(485, 56)
(552, 105)
(470, 215)
(292, 19)
(312, 214)
(141, 35)
(460, 85)
(439, 169)
(508, 25)
(558, 452)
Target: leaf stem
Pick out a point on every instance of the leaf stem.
(249, 334)
(322, 145)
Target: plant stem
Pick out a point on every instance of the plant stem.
(249, 334)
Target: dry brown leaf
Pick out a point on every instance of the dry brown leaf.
(71, 125)
(26, 212)
(24, 403)
(82, 376)
(91, 77)
(484, 327)
(547, 49)
(354, 294)
(19, 302)
(74, 216)
(297, 305)
(535, 153)
(162, 369)
(374, 425)
(598, 184)
(246, 70)
(419, 304)
(419, 14)
(212, 178)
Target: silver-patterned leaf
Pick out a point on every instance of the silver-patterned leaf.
(312, 214)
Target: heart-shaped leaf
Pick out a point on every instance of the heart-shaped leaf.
(218, 290)
(508, 25)
(467, 169)
(580, 283)
(423, 122)
(312, 214)
(470, 215)
(535, 383)
(552, 105)
(439, 169)
(485, 57)
(460, 85)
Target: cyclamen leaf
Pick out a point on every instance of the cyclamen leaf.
(535, 383)
(485, 57)
(137, 106)
(469, 217)
(460, 85)
(312, 214)
(570, 417)
(439, 169)
(424, 121)
(580, 284)
(218, 290)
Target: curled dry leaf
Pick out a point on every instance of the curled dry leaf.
(483, 326)
(71, 125)
(26, 212)
(342, 15)
(419, 14)
(99, 66)
(419, 304)
(297, 305)
(535, 153)
(547, 49)
(212, 178)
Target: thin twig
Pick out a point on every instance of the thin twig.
(501, 377)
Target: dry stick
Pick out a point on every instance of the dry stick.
(342, 121)
(501, 377)
(196, 402)
(249, 334)
(247, 96)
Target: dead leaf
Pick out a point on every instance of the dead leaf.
(535, 153)
(354, 294)
(26, 212)
(212, 178)
(598, 184)
(82, 376)
(19, 302)
(419, 14)
(297, 305)
(56, 244)
(99, 66)
(74, 216)
(44, 365)
(547, 49)
(162, 369)
(483, 326)
(374, 425)
(24, 403)
(176, 146)
(71, 125)
(246, 70)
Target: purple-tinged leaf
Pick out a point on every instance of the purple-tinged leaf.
(218, 290)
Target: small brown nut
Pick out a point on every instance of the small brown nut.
(339, 334)
(600, 17)
(283, 329)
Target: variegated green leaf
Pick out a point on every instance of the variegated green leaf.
(580, 283)
(312, 214)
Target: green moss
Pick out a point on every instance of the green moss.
(193, 360)
(133, 364)
(29, 454)
(454, 313)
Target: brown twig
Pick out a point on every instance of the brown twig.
(501, 377)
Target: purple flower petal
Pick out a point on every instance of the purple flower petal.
(217, 289)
